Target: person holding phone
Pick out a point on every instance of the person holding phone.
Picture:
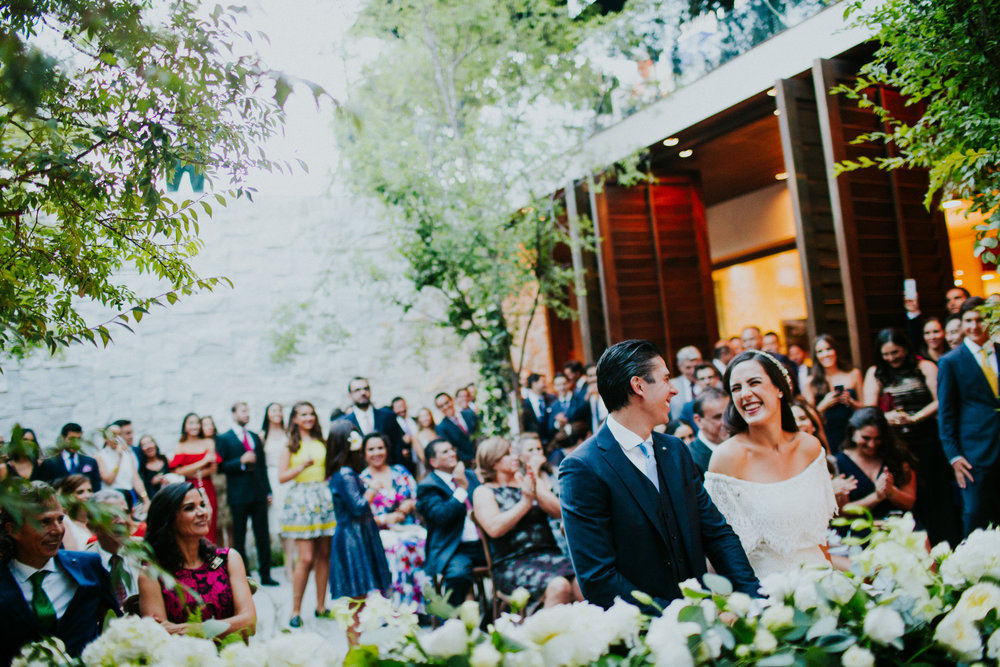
(834, 387)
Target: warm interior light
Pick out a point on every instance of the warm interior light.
(771, 92)
(958, 283)
(989, 276)
(671, 141)
(952, 203)
(687, 152)
(777, 112)
(960, 273)
(781, 176)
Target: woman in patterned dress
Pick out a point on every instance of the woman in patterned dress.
(392, 494)
(513, 510)
(308, 516)
(178, 524)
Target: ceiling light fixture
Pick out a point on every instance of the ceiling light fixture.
(671, 141)
(687, 152)
(781, 176)
(952, 203)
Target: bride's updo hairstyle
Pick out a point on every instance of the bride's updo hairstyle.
(732, 419)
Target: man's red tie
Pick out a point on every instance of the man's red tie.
(246, 442)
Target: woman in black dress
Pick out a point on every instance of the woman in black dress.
(514, 510)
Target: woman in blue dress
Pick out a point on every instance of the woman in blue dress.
(834, 387)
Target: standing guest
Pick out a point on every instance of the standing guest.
(969, 419)
(706, 376)
(308, 516)
(127, 432)
(708, 410)
(751, 338)
(514, 514)
(636, 514)
(462, 398)
(883, 469)
(596, 409)
(453, 545)
(427, 432)
(119, 467)
(573, 371)
(392, 494)
(369, 419)
(153, 465)
(834, 387)
(196, 459)
(679, 430)
(111, 537)
(935, 345)
(45, 591)
(275, 441)
(75, 491)
(953, 333)
(69, 459)
(564, 444)
(223, 517)
(535, 407)
(954, 299)
(408, 427)
(722, 354)
(736, 344)
(798, 355)
(22, 456)
(177, 531)
(570, 405)
(457, 427)
(770, 342)
(905, 387)
(471, 387)
(688, 358)
(248, 491)
(358, 563)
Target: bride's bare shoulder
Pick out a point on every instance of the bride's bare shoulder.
(729, 457)
(809, 446)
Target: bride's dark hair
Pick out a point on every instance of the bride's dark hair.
(732, 419)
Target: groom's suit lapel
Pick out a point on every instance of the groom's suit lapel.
(635, 483)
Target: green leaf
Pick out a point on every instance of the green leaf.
(717, 583)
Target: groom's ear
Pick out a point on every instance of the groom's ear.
(638, 385)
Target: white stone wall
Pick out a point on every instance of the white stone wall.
(209, 350)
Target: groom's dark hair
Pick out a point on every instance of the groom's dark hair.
(618, 365)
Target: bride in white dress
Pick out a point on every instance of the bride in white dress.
(769, 479)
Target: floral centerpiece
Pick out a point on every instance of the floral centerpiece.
(900, 605)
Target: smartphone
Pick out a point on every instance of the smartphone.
(839, 388)
(910, 289)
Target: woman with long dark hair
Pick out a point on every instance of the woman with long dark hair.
(834, 387)
(307, 516)
(195, 458)
(153, 465)
(769, 479)
(935, 344)
(177, 530)
(905, 388)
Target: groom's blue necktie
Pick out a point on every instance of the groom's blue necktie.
(647, 451)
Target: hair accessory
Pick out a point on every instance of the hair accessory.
(781, 367)
(355, 440)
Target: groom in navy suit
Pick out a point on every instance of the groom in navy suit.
(636, 514)
(968, 420)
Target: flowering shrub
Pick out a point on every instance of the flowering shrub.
(900, 605)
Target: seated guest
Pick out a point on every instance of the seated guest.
(68, 460)
(515, 517)
(564, 443)
(678, 429)
(45, 591)
(178, 522)
(883, 469)
(112, 531)
(453, 546)
(392, 495)
(705, 376)
(75, 491)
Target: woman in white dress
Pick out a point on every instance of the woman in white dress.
(275, 439)
(769, 479)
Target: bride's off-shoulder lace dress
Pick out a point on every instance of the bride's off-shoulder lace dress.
(780, 524)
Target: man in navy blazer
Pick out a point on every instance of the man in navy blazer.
(45, 591)
(968, 421)
(69, 460)
(457, 428)
(370, 419)
(636, 514)
(535, 407)
(248, 491)
(443, 500)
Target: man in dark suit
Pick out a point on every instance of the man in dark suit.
(248, 490)
(370, 419)
(968, 420)
(443, 500)
(707, 410)
(569, 405)
(636, 514)
(458, 428)
(45, 591)
(69, 460)
(535, 408)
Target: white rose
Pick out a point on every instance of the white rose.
(485, 655)
(993, 646)
(738, 603)
(448, 640)
(764, 641)
(940, 551)
(520, 598)
(806, 597)
(884, 625)
(978, 600)
(668, 643)
(960, 636)
(623, 621)
(857, 656)
(468, 613)
(838, 587)
(777, 617)
(692, 584)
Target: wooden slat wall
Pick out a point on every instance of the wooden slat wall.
(815, 237)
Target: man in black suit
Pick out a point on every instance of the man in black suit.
(569, 405)
(370, 419)
(69, 460)
(248, 490)
(707, 410)
(443, 500)
(458, 428)
(45, 591)
(535, 408)
(636, 514)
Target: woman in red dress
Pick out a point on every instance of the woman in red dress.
(196, 459)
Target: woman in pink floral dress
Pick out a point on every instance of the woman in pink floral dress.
(392, 494)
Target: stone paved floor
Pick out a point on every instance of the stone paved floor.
(274, 609)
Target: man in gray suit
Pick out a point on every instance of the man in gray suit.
(708, 409)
